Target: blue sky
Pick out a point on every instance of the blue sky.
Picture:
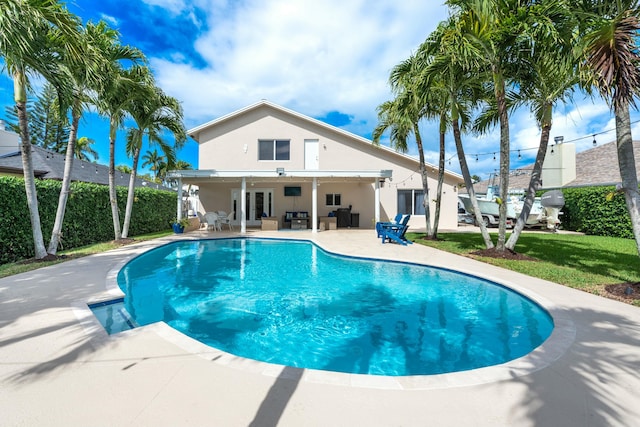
(327, 59)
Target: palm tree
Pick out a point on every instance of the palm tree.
(552, 78)
(123, 168)
(402, 116)
(482, 50)
(111, 100)
(83, 150)
(32, 36)
(154, 113)
(153, 159)
(611, 63)
(461, 93)
(84, 77)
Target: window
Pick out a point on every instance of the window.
(411, 202)
(333, 200)
(273, 149)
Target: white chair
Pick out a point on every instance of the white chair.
(203, 221)
(212, 220)
(225, 219)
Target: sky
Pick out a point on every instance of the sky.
(327, 59)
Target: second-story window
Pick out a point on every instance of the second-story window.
(273, 149)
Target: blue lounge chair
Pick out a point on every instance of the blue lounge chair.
(395, 232)
(381, 225)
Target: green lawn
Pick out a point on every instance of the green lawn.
(23, 266)
(583, 262)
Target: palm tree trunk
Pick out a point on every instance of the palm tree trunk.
(504, 163)
(113, 195)
(627, 165)
(436, 219)
(130, 194)
(469, 184)
(534, 182)
(56, 233)
(20, 95)
(425, 180)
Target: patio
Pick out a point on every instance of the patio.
(57, 368)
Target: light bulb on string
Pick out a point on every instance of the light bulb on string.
(552, 149)
(519, 155)
(476, 157)
(494, 157)
(594, 141)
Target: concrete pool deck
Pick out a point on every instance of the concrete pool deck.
(58, 368)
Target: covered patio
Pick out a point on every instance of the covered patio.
(239, 187)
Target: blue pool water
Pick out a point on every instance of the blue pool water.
(291, 303)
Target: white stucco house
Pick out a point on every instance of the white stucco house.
(268, 161)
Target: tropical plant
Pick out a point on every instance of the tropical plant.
(33, 34)
(462, 90)
(48, 128)
(154, 113)
(610, 63)
(84, 77)
(111, 99)
(123, 168)
(402, 116)
(154, 160)
(83, 149)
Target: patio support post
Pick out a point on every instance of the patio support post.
(179, 213)
(243, 206)
(376, 209)
(314, 205)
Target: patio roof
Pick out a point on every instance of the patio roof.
(278, 174)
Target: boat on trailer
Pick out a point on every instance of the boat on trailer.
(545, 210)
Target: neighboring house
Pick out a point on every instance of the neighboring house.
(564, 168)
(49, 164)
(266, 160)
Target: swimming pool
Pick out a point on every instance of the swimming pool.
(291, 303)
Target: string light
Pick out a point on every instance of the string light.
(552, 149)
(595, 142)
(494, 157)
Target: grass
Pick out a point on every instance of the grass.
(583, 262)
(28, 265)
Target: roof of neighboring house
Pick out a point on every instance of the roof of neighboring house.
(596, 166)
(195, 132)
(50, 165)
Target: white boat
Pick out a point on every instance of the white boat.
(545, 210)
(489, 207)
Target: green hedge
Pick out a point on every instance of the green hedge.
(587, 210)
(87, 218)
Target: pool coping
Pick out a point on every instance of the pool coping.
(556, 345)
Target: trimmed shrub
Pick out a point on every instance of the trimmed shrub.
(588, 210)
(87, 217)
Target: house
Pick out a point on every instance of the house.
(564, 168)
(49, 164)
(268, 161)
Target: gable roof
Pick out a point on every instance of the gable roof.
(596, 166)
(50, 165)
(196, 131)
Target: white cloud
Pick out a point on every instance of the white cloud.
(310, 56)
(175, 6)
(110, 19)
